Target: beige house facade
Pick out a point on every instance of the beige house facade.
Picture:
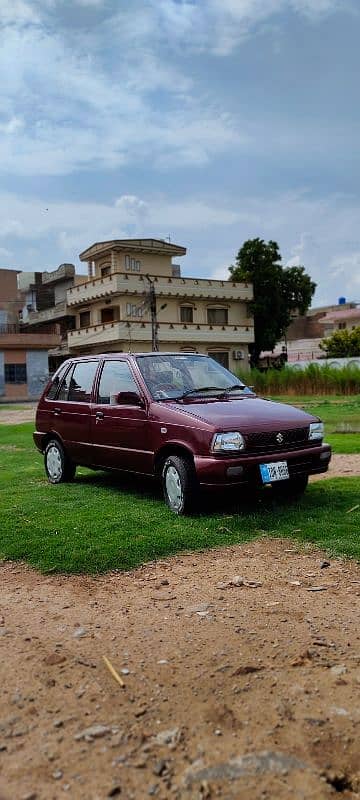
(112, 313)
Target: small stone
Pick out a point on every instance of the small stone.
(171, 736)
(160, 767)
(125, 671)
(338, 669)
(29, 796)
(114, 791)
(324, 564)
(237, 581)
(218, 732)
(53, 659)
(58, 723)
(140, 711)
(152, 790)
(57, 775)
(79, 632)
(94, 732)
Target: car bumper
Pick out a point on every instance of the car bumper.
(223, 471)
(39, 439)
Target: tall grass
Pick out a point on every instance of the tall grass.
(313, 379)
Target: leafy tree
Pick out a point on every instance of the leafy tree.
(279, 291)
(342, 344)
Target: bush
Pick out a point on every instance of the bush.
(313, 379)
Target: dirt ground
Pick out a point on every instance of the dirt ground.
(241, 672)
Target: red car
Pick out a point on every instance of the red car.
(179, 416)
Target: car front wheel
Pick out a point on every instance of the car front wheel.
(58, 466)
(179, 484)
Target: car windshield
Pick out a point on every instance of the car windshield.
(170, 377)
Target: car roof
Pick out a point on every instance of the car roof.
(131, 355)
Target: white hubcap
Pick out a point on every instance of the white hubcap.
(53, 463)
(173, 487)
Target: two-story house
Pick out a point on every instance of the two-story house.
(112, 304)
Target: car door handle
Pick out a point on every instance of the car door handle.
(99, 415)
(57, 411)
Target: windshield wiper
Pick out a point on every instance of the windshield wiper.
(201, 389)
(238, 386)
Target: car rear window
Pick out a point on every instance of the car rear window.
(81, 382)
(51, 395)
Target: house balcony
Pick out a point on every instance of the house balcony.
(182, 288)
(13, 339)
(47, 314)
(125, 333)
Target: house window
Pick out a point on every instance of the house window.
(84, 319)
(217, 316)
(342, 326)
(186, 313)
(107, 315)
(221, 356)
(105, 270)
(15, 373)
(133, 310)
(131, 264)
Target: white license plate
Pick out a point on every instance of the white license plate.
(278, 471)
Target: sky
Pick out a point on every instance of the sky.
(206, 121)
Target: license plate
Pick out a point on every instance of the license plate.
(278, 471)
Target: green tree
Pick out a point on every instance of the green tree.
(342, 344)
(279, 291)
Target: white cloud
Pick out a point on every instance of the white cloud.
(318, 233)
(219, 26)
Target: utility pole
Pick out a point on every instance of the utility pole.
(153, 312)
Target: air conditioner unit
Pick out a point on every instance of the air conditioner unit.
(238, 355)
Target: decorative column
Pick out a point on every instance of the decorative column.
(90, 269)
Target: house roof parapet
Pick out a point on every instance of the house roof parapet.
(150, 246)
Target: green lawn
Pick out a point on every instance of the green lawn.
(338, 413)
(102, 522)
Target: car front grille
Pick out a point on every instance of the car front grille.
(267, 441)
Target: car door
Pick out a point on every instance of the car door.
(71, 411)
(119, 426)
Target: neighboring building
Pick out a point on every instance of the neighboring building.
(194, 314)
(46, 305)
(305, 334)
(340, 320)
(23, 356)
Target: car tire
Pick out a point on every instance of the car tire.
(58, 466)
(179, 484)
(292, 488)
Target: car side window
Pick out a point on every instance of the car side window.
(116, 377)
(51, 395)
(81, 382)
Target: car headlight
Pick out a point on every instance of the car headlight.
(316, 430)
(228, 442)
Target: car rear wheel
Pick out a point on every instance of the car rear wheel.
(294, 487)
(58, 467)
(179, 484)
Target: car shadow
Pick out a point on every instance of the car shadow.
(243, 500)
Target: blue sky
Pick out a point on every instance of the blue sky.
(209, 121)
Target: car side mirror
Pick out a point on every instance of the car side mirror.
(129, 399)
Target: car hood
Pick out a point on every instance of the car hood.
(247, 414)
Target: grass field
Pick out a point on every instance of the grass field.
(102, 522)
(338, 413)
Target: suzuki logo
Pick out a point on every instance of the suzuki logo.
(279, 438)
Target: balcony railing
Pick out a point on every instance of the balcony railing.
(6, 328)
(140, 331)
(182, 288)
